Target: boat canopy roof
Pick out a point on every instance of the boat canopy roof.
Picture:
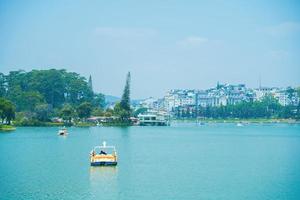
(104, 147)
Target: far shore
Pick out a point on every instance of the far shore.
(234, 120)
(119, 124)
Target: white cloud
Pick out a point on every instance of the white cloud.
(192, 41)
(125, 32)
(283, 29)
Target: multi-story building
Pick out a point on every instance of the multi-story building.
(223, 95)
(189, 102)
(285, 96)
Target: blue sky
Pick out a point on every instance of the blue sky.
(165, 44)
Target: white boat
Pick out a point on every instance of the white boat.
(239, 124)
(63, 132)
(201, 123)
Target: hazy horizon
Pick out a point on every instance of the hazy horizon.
(164, 44)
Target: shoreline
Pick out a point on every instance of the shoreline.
(87, 125)
(6, 128)
(243, 121)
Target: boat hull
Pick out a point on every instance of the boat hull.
(104, 163)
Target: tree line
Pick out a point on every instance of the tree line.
(42, 94)
(268, 107)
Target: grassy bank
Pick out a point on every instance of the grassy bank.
(117, 123)
(38, 123)
(7, 127)
(76, 124)
(125, 124)
(84, 124)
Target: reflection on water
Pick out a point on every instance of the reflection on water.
(103, 182)
(125, 131)
(103, 173)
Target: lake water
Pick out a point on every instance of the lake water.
(183, 161)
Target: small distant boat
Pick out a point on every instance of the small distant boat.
(201, 123)
(63, 132)
(239, 124)
(103, 155)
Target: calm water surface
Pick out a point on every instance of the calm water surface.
(184, 161)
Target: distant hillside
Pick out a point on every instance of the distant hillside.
(136, 101)
(109, 99)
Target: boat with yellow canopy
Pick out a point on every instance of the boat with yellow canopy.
(103, 155)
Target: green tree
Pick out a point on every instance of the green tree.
(77, 89)
(298, 91)
(98, 101)
(84, 110)
(67, 113)
(7, 110)
(90, 83)
(125, 100)
(290, 92)
(98, 112)
(123, 108)
(27, 101)
(121, 112)
(43, 112)
(272, 105)
(108, 112)
(2, 85)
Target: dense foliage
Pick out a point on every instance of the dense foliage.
(42, 94)
(7, 111)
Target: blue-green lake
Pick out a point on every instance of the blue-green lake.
(183, 161)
